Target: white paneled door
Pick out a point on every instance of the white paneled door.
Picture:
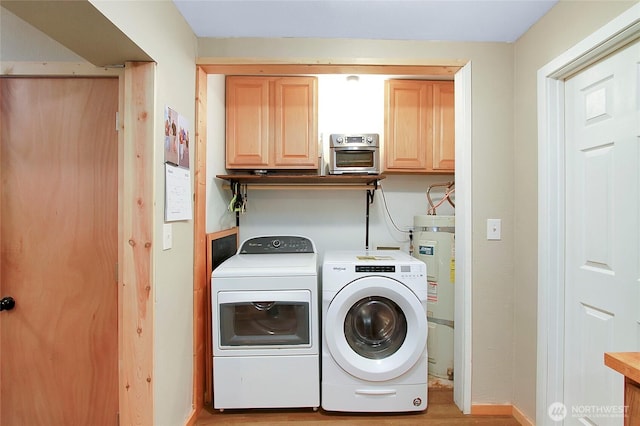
(602, 297)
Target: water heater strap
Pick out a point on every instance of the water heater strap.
(441, 321)
(450, 229)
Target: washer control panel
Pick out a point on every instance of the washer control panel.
(403, 271)
(277, 244)
(375, 268)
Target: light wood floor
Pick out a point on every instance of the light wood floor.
(440, 411)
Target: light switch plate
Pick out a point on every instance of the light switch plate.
(494, 229)
(167, 236)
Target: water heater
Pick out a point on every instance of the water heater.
(434, 244)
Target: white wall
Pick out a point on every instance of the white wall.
(20, 42)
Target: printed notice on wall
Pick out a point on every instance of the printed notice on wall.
(178, 194)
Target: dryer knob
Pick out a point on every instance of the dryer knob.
(276, 243)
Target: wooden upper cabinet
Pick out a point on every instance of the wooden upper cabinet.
(443, 144)
(248, 123)
(419, 127)
(272, 123)
(296, 122)
(407, 124)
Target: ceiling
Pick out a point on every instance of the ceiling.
(442, 20)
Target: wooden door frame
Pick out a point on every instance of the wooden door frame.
(136, 245)
(460, 72)
(551, 194)
(135, 224)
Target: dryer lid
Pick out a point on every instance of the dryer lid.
(256, 265)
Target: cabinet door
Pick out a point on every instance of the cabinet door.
(407, 125)
(295, 106)
(443, 140)
(419, 127)
(248, 123)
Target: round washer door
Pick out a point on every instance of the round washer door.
(377, 328)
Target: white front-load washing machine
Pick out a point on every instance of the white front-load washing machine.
(374, 326)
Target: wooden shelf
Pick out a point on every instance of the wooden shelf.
(305, 181)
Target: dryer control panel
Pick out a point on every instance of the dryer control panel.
(277, 244)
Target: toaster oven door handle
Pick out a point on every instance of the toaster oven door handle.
(355, 148)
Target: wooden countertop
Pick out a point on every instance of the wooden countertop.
(626, 363)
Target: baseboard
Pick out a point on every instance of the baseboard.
(491, 410)
(193, 416)
(501, 410)
(521, 418)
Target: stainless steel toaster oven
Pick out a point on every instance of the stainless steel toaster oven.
(354, 153)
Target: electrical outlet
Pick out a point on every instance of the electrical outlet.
(494, 229)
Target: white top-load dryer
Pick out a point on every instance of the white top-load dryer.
(265, 325)
(374, 325)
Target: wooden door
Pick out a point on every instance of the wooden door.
(602, 294)
(295, 141)
(59, 236)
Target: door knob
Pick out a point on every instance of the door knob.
(7, 303)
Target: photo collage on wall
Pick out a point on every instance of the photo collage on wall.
(176, 139)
